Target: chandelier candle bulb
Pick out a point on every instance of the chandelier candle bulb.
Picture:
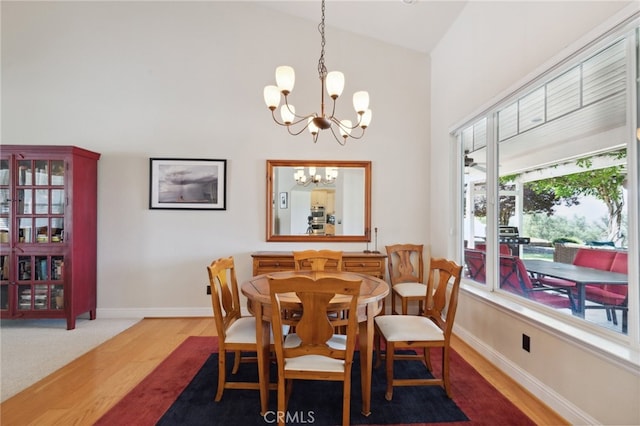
(285, 79)
(366, 119)
(313, 129)
(288, 113)
(272, 97)
(361, 101)
(335, 84)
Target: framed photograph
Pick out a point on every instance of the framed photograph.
(284, 200)
(187, 184)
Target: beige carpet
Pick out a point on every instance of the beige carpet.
(32, 349)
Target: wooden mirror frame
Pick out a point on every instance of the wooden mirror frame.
(366, 236)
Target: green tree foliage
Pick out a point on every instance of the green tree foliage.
(541, 197)
(603, 184)
(551, 228)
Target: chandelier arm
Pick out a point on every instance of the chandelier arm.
(301, 117)
(342, 126)
(333, 110)
(281, 123)
(341, 142)
(298, 132)
(357, 137)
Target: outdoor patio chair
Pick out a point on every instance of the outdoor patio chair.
(611, 297)
(475, 262)
(515, 279)
(504, 248)
(597, 259)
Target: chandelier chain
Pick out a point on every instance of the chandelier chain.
(322, 69)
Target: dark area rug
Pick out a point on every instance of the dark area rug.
(312, 402)
(160, 397)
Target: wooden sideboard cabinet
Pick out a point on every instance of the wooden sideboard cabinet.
(48, 232)
(374, 264)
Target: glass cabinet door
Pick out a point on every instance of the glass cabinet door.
(5, 217)
(38, 213)
(40, 284)
(40, 201)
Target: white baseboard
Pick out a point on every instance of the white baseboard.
(555, 401)
(153, 312)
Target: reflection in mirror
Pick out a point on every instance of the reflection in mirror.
(318, 200)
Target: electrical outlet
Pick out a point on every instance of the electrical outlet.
(526, 343)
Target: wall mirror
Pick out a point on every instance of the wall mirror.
(318, 200)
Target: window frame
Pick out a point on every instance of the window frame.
(629, 30)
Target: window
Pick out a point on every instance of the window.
(564, 150)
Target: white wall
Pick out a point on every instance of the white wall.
(491, 47)
(134, 80)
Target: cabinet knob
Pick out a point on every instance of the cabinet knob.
(277, 263)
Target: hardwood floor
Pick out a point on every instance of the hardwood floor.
(80, 392)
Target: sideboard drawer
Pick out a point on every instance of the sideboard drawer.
(264, 266)
(365, 266)
(363, 263)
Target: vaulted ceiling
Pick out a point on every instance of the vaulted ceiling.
(415, 24)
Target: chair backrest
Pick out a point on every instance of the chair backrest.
(318, 260)
(225, 298)
(405, 263)
(504, 248)
(441, 303)
(594, 258)
(620, 264)
(313, 326)
(475, 261)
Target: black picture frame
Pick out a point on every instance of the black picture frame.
(187, 184)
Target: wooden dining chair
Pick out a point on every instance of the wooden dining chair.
(406, 274)
(431, 329)
(236, 333)
(315, 351)
(318, 260)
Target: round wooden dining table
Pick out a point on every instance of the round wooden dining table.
(370, 302)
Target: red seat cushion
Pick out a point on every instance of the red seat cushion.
(556, 282)
(602, 295)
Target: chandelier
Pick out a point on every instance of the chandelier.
(333, 83)
(331, 173)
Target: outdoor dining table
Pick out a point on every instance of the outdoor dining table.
(370, 302)
(581, 275)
